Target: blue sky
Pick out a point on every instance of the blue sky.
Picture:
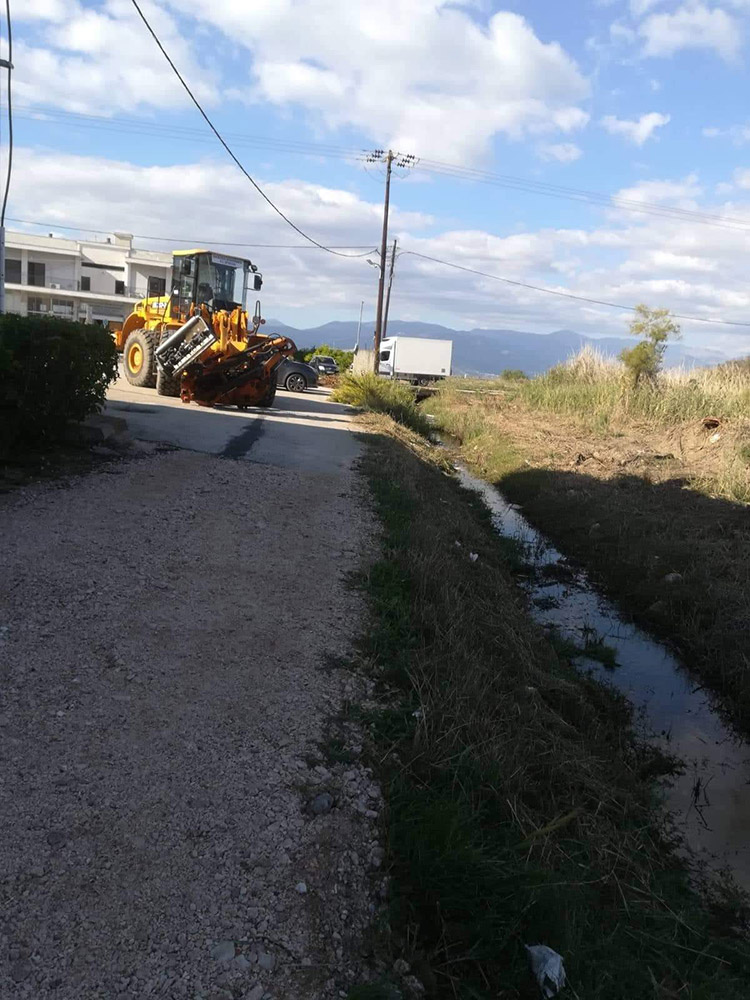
(641, 99)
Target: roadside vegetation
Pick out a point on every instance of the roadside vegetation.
(520, 807)
(647, 483)
(379, 395)
(602, 392)
(52, 371)
(342, 358)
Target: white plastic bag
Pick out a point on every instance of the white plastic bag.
(548, 969)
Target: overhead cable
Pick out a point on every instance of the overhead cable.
(224, 143)
(564, 295)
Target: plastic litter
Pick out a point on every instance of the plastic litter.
(473, 556)
(547, 967)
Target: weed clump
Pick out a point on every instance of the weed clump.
(381, 395)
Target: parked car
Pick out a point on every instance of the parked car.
(324, 365)
(296, 376)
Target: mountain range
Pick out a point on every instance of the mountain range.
(485, 352)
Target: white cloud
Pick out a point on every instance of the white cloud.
(739, 134)
(692, 26)
(619, 32)
(99, 60)
(682, 193)
(563, 152)
(635, 131)
(742, 179)
(420, 75)
(628, 258)
(640, 7)
(44, 10)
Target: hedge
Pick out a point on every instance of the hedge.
(52, 371)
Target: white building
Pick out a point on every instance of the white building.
(87, 280)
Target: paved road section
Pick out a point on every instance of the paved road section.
(170, 632)
(303, 431)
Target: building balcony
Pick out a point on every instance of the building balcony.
(72, 287)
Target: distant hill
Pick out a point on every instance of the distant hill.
(487, 352)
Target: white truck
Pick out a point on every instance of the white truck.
(415, 359)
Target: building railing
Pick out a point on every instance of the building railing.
(73, 285)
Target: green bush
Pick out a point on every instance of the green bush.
(51, 371)
(381, 395)
(646, 359)
(342, 358)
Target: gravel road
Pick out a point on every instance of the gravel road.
(165, 636)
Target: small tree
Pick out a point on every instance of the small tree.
(645, 360)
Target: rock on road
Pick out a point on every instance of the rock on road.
(164, 624)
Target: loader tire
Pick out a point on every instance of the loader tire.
(139, 360)
(268, 398)
(167, 385)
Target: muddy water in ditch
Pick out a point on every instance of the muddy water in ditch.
(710, 801)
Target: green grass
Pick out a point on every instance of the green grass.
(380, 395)
(600, 388)
(599, 392)
(519, 805)
(593, 647)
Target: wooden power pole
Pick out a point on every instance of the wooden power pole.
(405, 161)
(383, 247)
(388, 295)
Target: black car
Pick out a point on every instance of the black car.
(324, 365)
(295, 376)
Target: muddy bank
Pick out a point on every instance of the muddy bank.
(630, 506)
(706, 800)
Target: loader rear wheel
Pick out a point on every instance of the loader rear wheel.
(167, 385)
(138, 358)
(270, 395)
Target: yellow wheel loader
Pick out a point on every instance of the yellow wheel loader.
(196, 342)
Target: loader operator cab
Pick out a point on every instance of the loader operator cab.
(202, 277)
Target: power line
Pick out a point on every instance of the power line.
(204, 239)
(576, 194)
(10, 115)
(141, 126)
(124, 126)
(226, 146)
(564, 295)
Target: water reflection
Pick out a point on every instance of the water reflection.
(710, 801)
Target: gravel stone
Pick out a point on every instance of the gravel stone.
(266, 961)
(321, 804)
(154, 716)
(301, 888)
(223, 951)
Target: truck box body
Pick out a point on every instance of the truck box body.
(415, 359)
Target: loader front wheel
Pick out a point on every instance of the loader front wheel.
(270, 395)
(167, 385)
(138, 358)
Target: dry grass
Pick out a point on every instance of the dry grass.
(667, 498)
(519, 806)
(600, 388)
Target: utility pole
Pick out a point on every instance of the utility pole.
(6, 64)
(359, 325)
(401, 160)
(390, 285)
(383, 242)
